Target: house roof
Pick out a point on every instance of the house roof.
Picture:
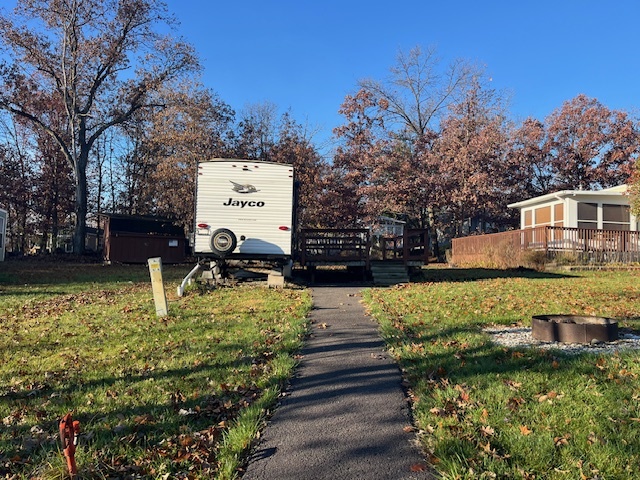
(619, 190)
(142, 224)
(391, 220)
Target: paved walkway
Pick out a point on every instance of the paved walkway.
(345, 415)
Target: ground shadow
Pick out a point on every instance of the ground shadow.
(444, 274)
(341, 276)
(333, 276)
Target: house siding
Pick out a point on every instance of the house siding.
(561, 208)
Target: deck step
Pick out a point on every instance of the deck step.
(389, 273)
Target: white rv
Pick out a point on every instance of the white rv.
(244, 210)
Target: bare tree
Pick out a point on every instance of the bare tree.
(257, 130)
(415, 96)
(419, 91)
(100, 58)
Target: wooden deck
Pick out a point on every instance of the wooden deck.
(357, 247)
(585, 245)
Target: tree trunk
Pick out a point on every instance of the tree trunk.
(80, 231)
(433, 232)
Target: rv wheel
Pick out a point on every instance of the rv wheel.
(223, 242)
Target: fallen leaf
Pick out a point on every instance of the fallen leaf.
(514, 403)
(143, 419)
(524, 430)
(513, 385)
(418, 467)
(563, 440)
(487, 447)
(487, 431)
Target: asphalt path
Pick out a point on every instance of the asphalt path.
(345, 414)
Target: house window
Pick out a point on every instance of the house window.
(616, 217)
(543, 216)
(587, 215)
(527, 219)
(558, 215)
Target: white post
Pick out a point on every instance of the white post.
(159, 296)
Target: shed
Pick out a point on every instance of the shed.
(134, 239)
(606, 209)
(387, 226)
(3, 232)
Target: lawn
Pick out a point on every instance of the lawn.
(487, 411)
(175, 397)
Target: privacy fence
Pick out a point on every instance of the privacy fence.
(573, 245)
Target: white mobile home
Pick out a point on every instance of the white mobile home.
(606, 209)
(244, 210)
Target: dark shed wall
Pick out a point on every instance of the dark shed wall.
(137, 248)
(134, 240)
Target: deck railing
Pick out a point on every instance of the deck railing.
(412, 246)
(355, 247)
(585, 245)
(344, 246)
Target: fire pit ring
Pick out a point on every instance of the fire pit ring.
(573, 328)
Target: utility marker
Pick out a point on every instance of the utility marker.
(159, 296)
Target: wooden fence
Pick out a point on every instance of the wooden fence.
(578, 244)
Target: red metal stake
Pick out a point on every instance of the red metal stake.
(69, 430)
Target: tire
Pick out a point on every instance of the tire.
(223, 242)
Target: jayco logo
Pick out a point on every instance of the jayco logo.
(237, 187)
(242, 203)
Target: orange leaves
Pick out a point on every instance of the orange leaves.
(418, 467)
(144, 419)
(512, 385)
(549, 396)
(524, 430)
(440, 412)
(562, 440)
(593, 439)
(487, 431)
(514, 403)
(455, 407)
(198, 448)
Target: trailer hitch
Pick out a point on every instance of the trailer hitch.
(69, 431)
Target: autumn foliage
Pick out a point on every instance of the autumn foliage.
(432, 145)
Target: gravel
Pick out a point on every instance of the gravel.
(515, 337)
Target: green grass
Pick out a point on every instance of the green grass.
(486, 411)
(175, 397)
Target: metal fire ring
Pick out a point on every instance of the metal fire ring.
(573, 328)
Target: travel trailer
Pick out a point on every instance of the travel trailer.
(244, 210)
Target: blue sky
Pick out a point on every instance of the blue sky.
(307, 55)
